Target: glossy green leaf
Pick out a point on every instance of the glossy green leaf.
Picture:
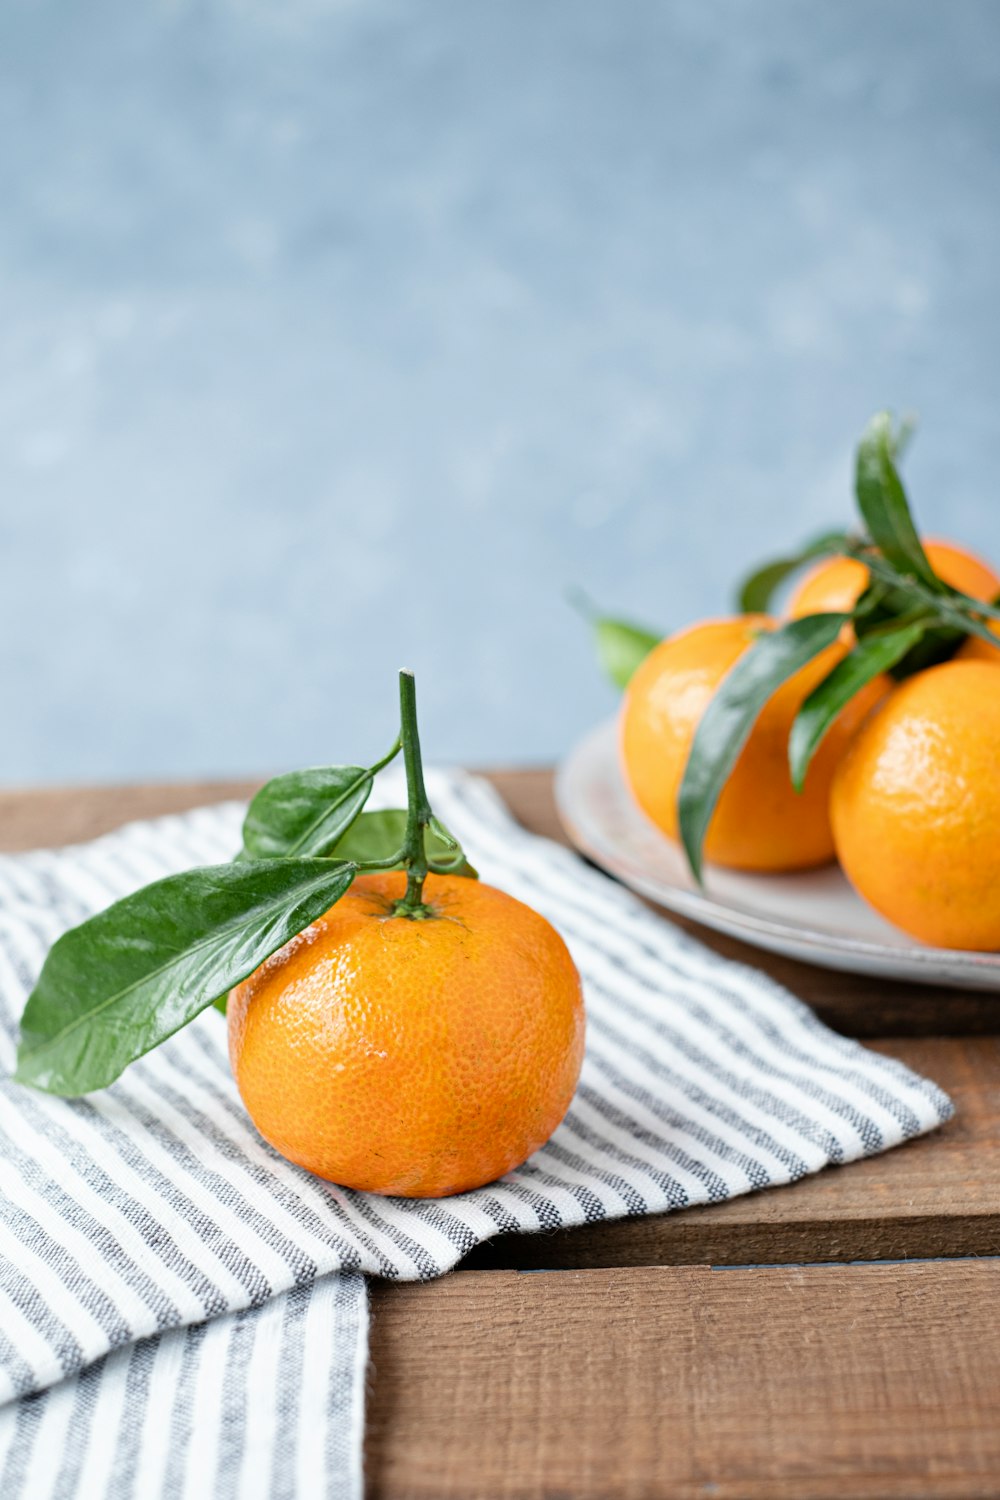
(893, 599)
(871, 656)
(883, 504)
(304, 813)
(726, 724)
(130, 977)
(757, 591)
(953, 609)
(378, 836)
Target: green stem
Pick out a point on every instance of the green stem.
(418, 808)
(387, 759)
(902, 622)
(951, 609)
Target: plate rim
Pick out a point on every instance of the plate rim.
(919, 962)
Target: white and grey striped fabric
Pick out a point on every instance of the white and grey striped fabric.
(261, 1404)
(130, 1218)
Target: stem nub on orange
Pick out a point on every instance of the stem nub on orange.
(916, 807)
(760, 822)
(417, 1055)
(838, 583)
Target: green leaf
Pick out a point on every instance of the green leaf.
(621, 647)
(130, 977)
(756, 591)
(883, 504)
(871, 656)
(935, 645)
(871, 609)
(373, 836)
(726, 724)
(378, 836)
(304, 813)
(903, 435)
(977, 607)
(444, 853)
(952, 609)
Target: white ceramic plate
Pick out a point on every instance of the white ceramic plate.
(814, 916)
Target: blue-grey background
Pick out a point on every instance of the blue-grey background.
(341, 336)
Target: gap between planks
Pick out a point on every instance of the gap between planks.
(773, 1382)
(764, 1384)
(936, 1196)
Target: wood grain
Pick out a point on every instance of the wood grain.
(37, 817)
(805, 1382)
(861, 1007)
(939, 1195)
(936, 1196)
(661, 1377)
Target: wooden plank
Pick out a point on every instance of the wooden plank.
(36, 817)
(936, 1196)
(858, 1006)
(939, 1195)
(873, 1381)
(785, 1382)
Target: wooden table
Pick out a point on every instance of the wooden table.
(839, 1337)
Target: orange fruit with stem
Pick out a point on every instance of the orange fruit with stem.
(916, 807)
(838, 582)
(422, 1038)
(413, 1056)
(760, 822)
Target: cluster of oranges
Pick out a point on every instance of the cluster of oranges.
(904, 790)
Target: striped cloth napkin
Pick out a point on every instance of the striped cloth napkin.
(183, 1313)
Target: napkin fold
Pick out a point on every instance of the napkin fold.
(131, 1218)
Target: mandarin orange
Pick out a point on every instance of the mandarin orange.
(838, 583)
(760, 821)
(916, 807)
(416, 1056)
(974, 648)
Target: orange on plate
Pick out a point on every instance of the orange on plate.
(916, 807)
(760, 821)
(974, 648)
(418, 1056)
(838, 583)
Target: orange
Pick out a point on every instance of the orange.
(760, 821)
(837, 584)
(833, 585)
(916, 807)
(412, 1056)
(974, 648)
